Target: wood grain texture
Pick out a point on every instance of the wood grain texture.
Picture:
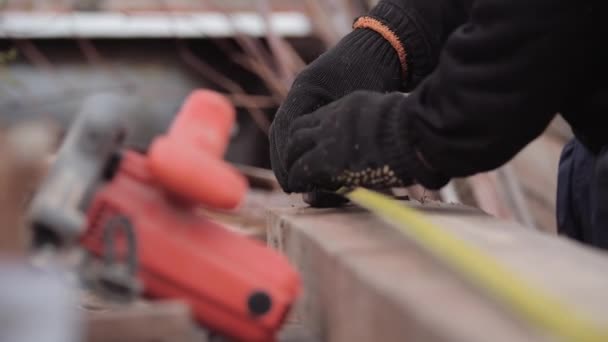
(23, 148)
(536, 167)
(364, 281)
(152, 322)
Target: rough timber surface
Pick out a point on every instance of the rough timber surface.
(365, 282)
(158, 322)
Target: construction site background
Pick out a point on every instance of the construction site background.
(251, 54)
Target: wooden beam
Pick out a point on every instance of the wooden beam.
(23, 149)
(536, 167)
(145, 322)
(366, 282)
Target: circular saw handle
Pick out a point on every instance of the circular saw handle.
(205, 120)
(188, 161)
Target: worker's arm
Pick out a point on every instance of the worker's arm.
(500, 80)
(366, 59)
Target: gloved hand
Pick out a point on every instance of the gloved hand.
(359, 140)
(361, 60)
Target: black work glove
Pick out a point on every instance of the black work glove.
(361, 60)
(359, 140)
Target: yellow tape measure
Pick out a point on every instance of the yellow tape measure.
(528, 302)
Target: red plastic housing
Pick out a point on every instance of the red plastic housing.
(188, 160)
(205, 120)
(182, 255)
(195, 174)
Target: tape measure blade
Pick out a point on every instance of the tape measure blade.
(483, 271)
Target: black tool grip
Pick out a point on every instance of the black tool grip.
(324, 199)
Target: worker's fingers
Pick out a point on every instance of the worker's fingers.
(277, 145)
(300, 142)
(304, 122)
(311, 172)
(304, 133)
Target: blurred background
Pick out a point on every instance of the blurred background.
(56, 52)
(53, 53)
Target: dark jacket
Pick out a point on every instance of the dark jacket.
(490, 75)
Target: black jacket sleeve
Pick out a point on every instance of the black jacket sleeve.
(423, 27)
(501, 78)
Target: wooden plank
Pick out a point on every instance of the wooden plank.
(146, 322)
(560, 129)
(295, 332)
(250, 218)
(23, 149)
(363, 281)
(536, 167)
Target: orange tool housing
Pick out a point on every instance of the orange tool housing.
(235, 286)
(188, 160)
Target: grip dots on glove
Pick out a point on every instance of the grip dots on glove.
(382, 176)
(388, 34)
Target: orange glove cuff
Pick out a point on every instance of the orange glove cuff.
(388, 34)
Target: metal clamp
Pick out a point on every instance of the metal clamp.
(118, 280)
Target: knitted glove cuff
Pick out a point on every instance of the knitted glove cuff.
(376, 25)
(410, 35)
(361, 60)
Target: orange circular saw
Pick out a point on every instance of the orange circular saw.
(143, 208)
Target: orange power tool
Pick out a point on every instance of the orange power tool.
(147, 212)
